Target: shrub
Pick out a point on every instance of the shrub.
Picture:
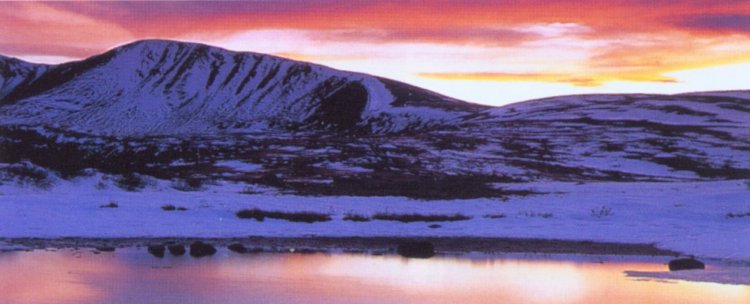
(415, 187)
(131, 182)
(170, 207)
(111, 204)
(305, 217)
(27, 173)
(270, 179)
(737, 215)
(537, 214)
(249, 190)
(414, 217)
(601, 212)
(356, 217)
(190, 184)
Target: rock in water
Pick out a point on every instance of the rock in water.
(200, 249)
(420, 250)
(685, 264)
(237, 247)
(156, 250)
(176, 250)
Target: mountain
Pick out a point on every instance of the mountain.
(194, 114)
(156, 87)
(15, 73)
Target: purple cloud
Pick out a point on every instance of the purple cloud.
(732, 23)
(482, 36)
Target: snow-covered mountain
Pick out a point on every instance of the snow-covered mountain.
(15, 73)
(157, 87)
(178, 110)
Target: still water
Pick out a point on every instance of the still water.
(133, 276)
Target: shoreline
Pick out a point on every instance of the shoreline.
(375, 245)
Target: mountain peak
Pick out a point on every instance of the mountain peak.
(142, 47)
(152, 43)
(168, 87)
(7, 59)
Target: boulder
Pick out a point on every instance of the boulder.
(237, 247)
(419, 249)
(200, 249)
(176, 250)
(156, 250)
(685, 264)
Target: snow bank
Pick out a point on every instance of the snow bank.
(686, 217)
(726, 275)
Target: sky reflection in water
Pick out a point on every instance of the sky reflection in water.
(133, 276)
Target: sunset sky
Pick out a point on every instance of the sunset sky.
(486, 51)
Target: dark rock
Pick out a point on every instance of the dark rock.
(237, 247)
(176, 250)
(105, 249)
(342, 109)
(304, 250)
(421, 250)
(685, 264)
(255, 250)
(200, 249)
(156, 250)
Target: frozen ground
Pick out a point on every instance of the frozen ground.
(722, 275)
(689, 217)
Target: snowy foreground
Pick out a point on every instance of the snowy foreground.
(690, 218)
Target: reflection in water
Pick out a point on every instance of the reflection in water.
(132, 276)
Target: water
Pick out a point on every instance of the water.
(133, 276)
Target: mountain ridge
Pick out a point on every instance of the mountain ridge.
(165, 87)
(15, 72)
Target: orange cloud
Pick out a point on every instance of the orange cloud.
(582, 42)
(577, 80)
(30, 28)
(483, 36)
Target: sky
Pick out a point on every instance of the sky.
(485, 51)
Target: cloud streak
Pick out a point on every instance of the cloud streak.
(722, 23)
(583, 43)
(577, 80)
